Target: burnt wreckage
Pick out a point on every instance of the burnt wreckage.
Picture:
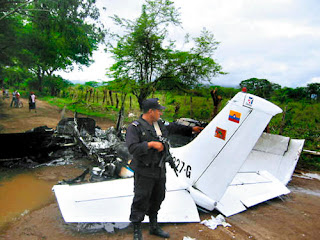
(76, 138)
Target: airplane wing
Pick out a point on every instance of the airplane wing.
(110, 201)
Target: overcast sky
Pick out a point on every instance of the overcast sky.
(278, 40)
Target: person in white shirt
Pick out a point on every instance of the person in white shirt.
(32, 102)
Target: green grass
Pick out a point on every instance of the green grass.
(89, 109)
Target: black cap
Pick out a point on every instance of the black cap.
(151, 103)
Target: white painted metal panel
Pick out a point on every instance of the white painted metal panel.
(257, 103)
(201, 151)
(229, 205)
(177, 207)
(257, 193)
(258, 160)
(280, 165)
(271, 143)
(237, 197)
(100, 190)
(249, 178)
(290, 160)
(217, 177)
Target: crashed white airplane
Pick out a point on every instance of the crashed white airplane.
(230, 166)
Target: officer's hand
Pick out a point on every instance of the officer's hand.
(197, 129)
(156, 145)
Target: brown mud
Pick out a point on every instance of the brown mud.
(295, 216)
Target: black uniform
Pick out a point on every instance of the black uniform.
(149, 178)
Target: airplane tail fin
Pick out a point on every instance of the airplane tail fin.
(210, 162)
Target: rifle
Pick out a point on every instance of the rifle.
(167, 157)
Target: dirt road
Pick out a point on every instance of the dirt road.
(296, 216)
(13, 120)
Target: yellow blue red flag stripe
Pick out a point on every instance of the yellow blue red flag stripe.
(234, 116)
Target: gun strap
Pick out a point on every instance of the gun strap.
(157, 128)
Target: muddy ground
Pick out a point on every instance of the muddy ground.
(295, 216)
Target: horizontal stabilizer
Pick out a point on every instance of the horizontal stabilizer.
(276, 154)
(249, 189)
(110, 201)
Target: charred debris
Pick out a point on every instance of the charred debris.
(74, 139)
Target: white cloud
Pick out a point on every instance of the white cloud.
(95, 72)
(314, 80)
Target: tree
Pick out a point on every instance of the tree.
(260, 87)
(285, 95)
(189, 69)
(10, 26)
(313, 90)
(54, 84)
(15, 76)
(92, 84)
(56, 34)
(143, 60)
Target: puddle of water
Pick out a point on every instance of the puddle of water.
(21, 194)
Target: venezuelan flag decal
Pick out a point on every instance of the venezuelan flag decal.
(234, 116)
(220, 133)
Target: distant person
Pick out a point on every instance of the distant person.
(17, 99)
(6, 94)
(32, 102)
(13, 101)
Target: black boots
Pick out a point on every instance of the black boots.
(156, 230)
(137, 234)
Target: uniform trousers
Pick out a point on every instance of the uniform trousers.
(149, 193)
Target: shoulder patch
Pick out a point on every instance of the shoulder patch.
(135, 123)
(166, 123)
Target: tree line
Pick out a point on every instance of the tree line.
(269, 90)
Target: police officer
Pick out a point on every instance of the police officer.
(142, 139)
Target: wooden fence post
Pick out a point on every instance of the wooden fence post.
(176, 109)
(130, 102)
(191, 107)
(283, 121)
(90, 94)
(216, 101)
(164, 99)
(104, 96)
(85, 97)
(117, 101)
(110, 94)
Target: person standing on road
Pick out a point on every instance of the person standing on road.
(142, 140)
(32, 102)
(13, 101)
(17, 99)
